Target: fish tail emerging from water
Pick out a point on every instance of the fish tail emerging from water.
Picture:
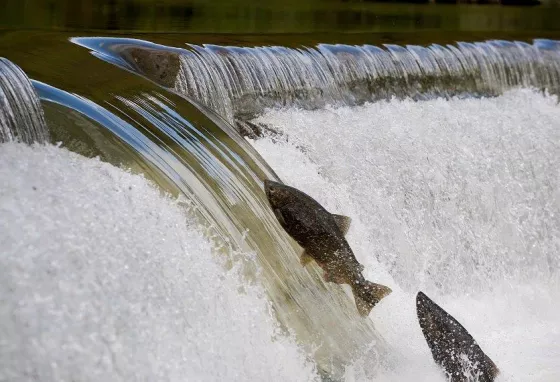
(367, 295)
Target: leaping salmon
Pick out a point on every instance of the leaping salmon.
(321, 234)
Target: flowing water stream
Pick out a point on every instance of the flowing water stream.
(240, 82)
(22, 118)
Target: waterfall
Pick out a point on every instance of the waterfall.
(194, 154)
(458, 198)
(169, 114)
(21, 116)
(239, 82)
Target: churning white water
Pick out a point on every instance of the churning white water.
(104, 279)
(457, 198)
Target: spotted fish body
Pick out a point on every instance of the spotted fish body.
(452, 347)
(321, 235)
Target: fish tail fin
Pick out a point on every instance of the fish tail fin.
(367, 295)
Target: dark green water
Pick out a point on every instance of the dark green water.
(33, 29)
(328, 20)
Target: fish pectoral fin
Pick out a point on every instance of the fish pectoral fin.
(305, 258)
(364, 307)
(343, 222)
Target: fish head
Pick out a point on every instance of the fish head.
(430, 317)
(299, 215)
(278, 195)
(450, 342)
(425, 308)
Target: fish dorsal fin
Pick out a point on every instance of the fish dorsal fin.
(343, 222)
(305, 258)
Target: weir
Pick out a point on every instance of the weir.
(240, 82)
(168, 113)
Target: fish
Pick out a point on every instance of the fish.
(452, 347)
(321, 235)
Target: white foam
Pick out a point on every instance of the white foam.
(458, 198)
(103, 279)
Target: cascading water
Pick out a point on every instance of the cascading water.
(426, 180)
(103, 278)
(241, 82)
(438, 225)
(458, 198)
(21, 116)
(220, 177)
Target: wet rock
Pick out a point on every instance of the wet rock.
(160, 66)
